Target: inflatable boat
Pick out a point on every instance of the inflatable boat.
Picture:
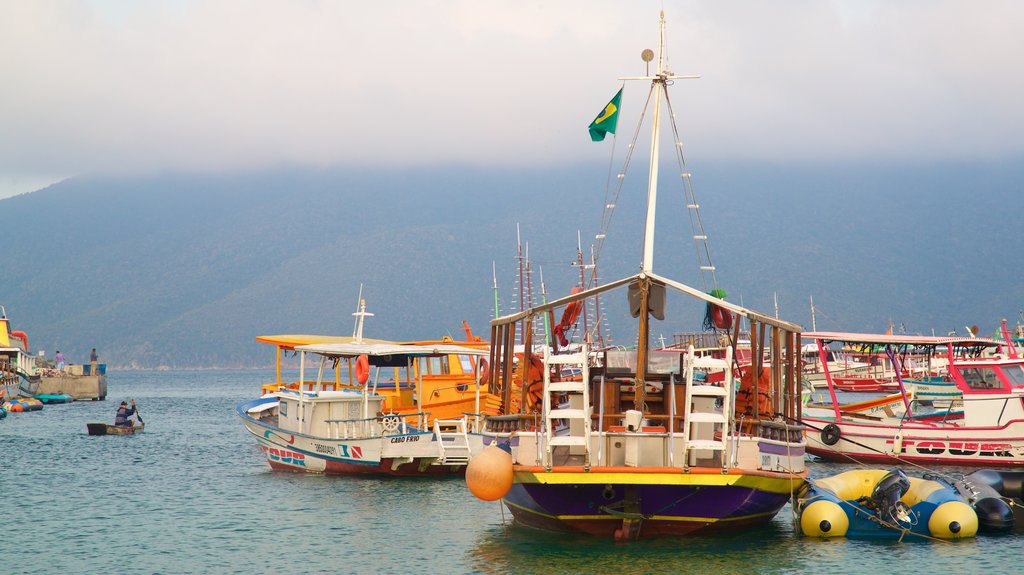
(996, 496)
(874, 503)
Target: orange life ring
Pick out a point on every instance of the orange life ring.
(362, 369)
(484, 371)
(569, 316)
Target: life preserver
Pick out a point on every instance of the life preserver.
(484, 371)
(362, 369)
(569, 316)
(721, 317)
(830, 434)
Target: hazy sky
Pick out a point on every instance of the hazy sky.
(135, 87)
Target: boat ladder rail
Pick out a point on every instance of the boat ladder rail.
(577, 415)
(707, 395)
(452, 441)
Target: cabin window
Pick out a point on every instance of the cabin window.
(282, 408)
(434, 365)
(467, 363)
(1015, 373)
(981, 378)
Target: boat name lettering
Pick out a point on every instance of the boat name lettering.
(405, 439)
(284, 456)
(351, 451)
(958, 448)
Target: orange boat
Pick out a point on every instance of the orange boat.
(448, 382)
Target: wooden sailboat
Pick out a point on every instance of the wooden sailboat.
(640, 445)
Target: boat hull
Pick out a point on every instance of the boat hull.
(107, 429)
(636, 502)
(410, 454)
(919, 442)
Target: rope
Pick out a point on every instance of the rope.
(929, 471)
(609, 209)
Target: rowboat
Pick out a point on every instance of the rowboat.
(637, 445)
(107, 429)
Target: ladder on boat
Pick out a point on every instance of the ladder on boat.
(577, 415)
(715, 431)
(452, 441)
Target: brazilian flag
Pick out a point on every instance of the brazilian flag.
(606, 120)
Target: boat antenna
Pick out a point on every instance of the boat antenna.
(361, 314)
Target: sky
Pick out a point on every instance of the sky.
(124, 87)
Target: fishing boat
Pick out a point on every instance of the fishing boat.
(332, 427)
(18, 373)
(107, 429)
(639, 446)
(990, 431)
(875, 503)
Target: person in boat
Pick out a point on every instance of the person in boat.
(123, 413)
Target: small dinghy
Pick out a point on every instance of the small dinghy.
(49, 398)
(997, 497)
(888, 504)
(107, 429)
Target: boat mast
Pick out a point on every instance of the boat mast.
(494, 273)
(544, 301)
(522, 292)
(360, 314)
(659, 84)
(814, 326)
(583, 282)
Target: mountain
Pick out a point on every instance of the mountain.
(184, 270)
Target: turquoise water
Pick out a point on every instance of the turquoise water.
(193, 495)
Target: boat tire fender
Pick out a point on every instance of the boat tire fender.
(830, 434)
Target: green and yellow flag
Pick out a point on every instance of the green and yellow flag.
(606, 120)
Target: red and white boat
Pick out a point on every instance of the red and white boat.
(990, 432)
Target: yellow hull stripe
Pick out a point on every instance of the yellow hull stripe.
(783, 483)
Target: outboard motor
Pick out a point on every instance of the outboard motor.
(885, 498)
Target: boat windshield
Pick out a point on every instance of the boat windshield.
(1014, 373)
(981, 378)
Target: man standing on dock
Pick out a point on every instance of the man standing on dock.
(93, 365)
(60, 361)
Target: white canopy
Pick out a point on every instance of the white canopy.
(388, 349)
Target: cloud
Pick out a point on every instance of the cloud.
(115, 87)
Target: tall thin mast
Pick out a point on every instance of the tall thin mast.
(494, 272)
(658, 85)
(544, 301)
(814, 326)
(522, 293)
(583, 282)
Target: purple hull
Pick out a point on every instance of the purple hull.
(632, 510)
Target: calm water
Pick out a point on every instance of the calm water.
(193, 495)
